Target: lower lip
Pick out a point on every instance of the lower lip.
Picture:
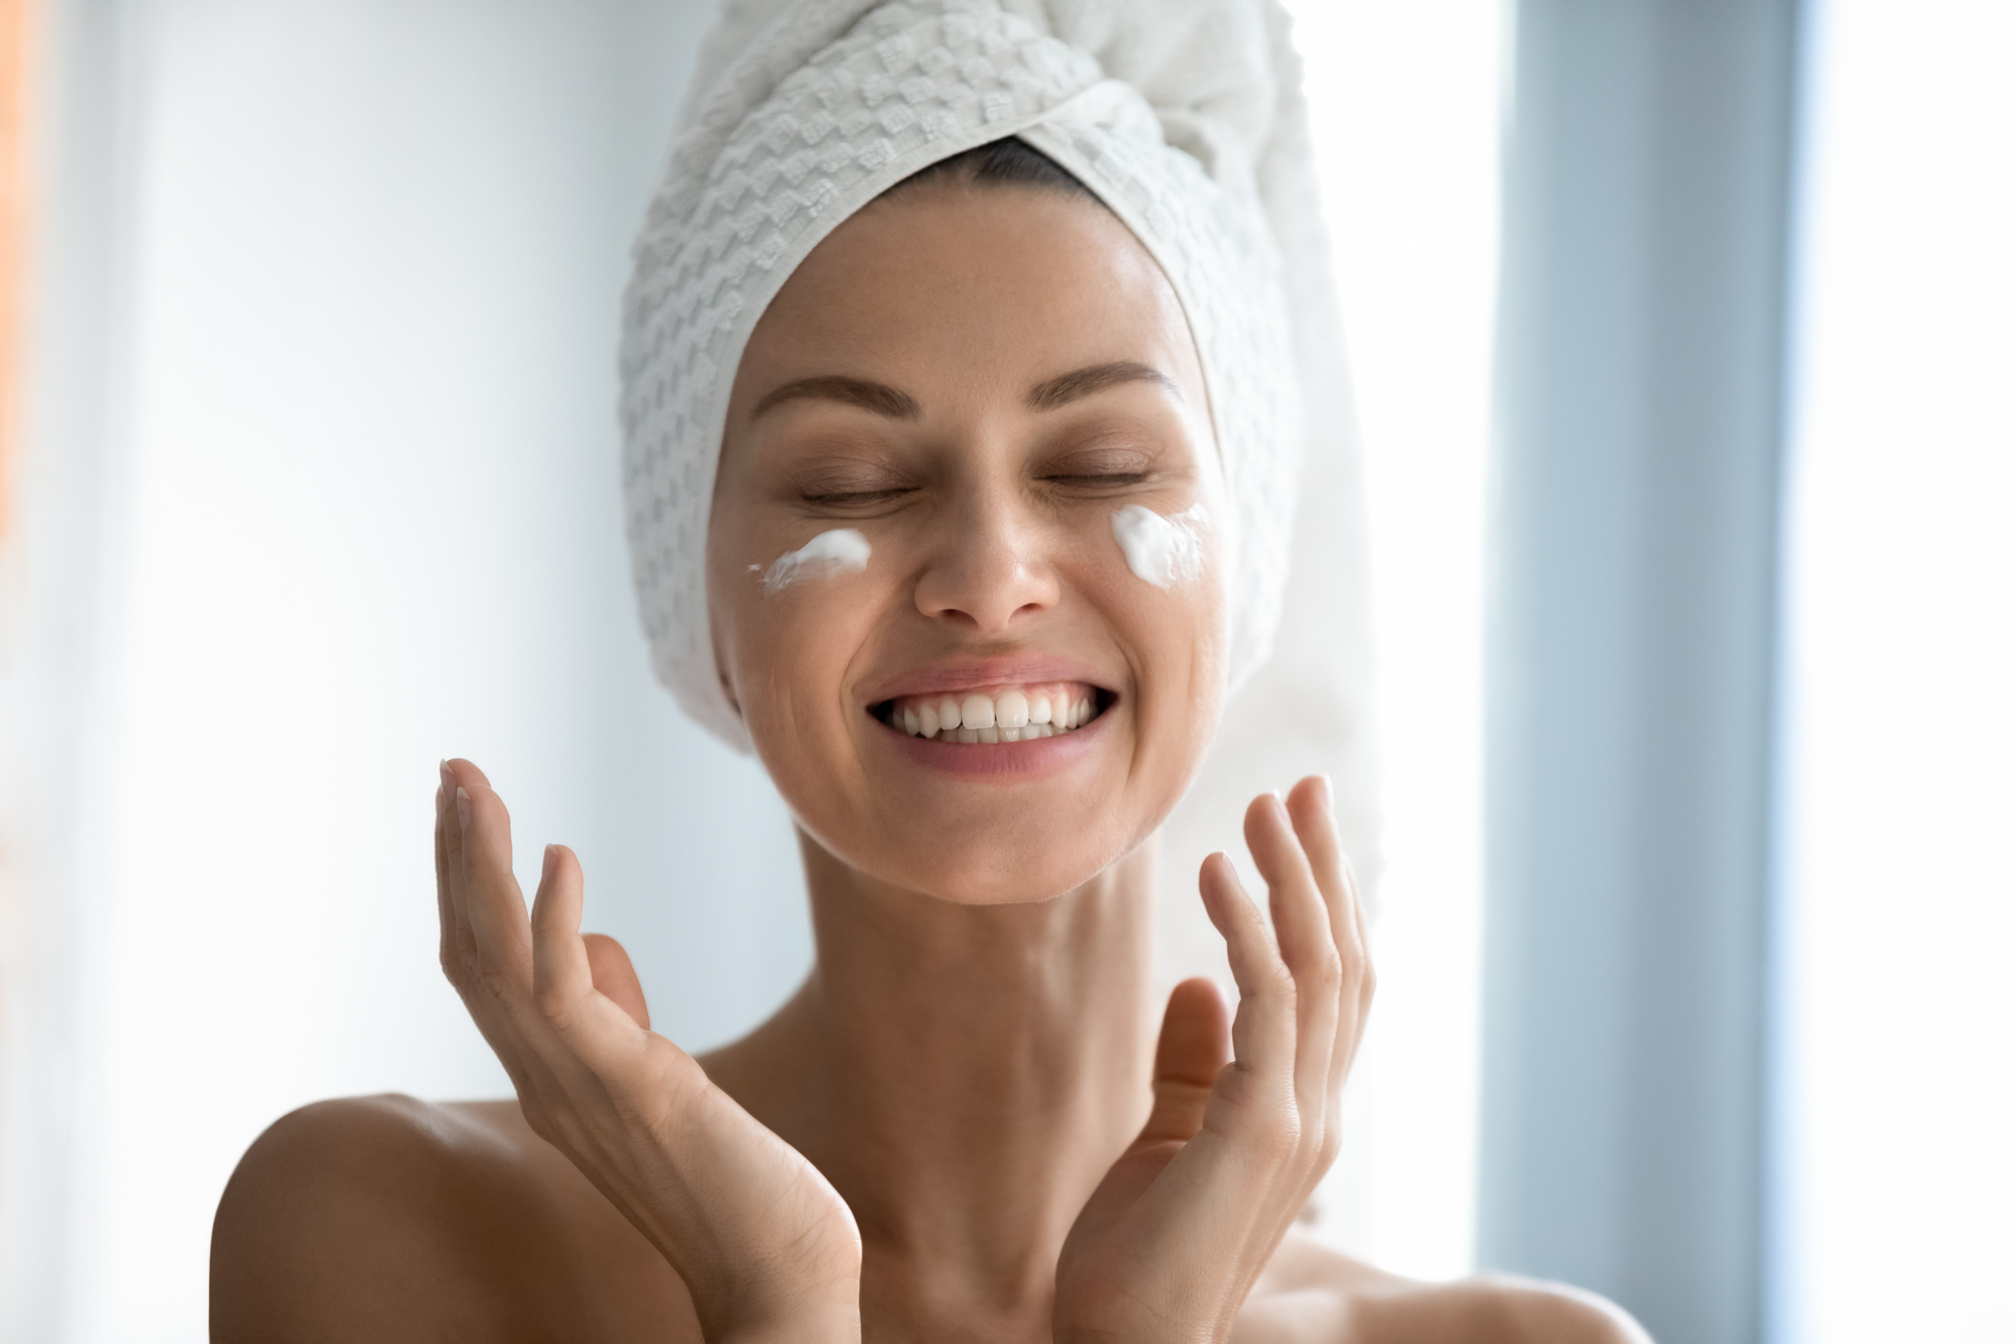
(1000, 760)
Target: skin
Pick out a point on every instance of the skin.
(973, 1122)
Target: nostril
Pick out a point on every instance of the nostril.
(985, 583)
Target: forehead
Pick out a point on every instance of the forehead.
(963, 291)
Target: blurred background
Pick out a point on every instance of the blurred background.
(1682, 333)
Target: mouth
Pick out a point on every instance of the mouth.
(990, 715)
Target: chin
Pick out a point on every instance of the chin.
(1018, 868)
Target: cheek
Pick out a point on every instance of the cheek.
(790, 660)
(1182, 635)
(1163, 577)
(1176, 634)
(787, 651)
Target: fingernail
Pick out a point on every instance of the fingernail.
(1329, 796)
(546, 865)
(462, 806)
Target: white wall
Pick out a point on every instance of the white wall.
(360, 506)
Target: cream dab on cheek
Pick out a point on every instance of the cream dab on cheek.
(840, 551)
(1161, 550)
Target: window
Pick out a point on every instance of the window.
(1897, 1058)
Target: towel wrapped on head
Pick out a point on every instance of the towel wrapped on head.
(1185, 117)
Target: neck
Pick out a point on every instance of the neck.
(963, 1075)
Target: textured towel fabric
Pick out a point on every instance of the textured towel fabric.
(1185, 117)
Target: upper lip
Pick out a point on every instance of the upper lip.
(973, 674)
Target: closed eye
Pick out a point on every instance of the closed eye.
(1108, 479)
(1114, 460)
(855, 498)
(849, 482)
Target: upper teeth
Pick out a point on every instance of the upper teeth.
(1012, 715)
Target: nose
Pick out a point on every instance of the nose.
(989, 568)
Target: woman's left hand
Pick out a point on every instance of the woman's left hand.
(1244, 1122)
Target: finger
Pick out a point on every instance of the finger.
(1308, 946)
(450, 824)
(468, 773)
(1313, 811)
(1312, 808)
(561, 976)
(1301, 923)
(451, 964)
(488, 892)
(459, 840)
(1196, 1043)
(1263, 1027)
(615, 977)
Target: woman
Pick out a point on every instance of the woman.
(956, 474)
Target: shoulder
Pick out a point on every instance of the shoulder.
(384, 1159)
(1519, 1310)
(352, 1144)
(1369, 1306)
(386, 1218)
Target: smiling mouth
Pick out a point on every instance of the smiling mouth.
(1002, 714)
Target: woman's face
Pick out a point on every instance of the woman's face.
(976, 380)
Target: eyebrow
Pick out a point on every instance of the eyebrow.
(1084, 382)
(884, 400)
(879, 398)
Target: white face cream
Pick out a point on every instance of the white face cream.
(1161, 550)
(840, 551)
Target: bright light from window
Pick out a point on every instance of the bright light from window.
(1404, 102)
(1899, 1174)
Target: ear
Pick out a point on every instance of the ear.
(615, 978)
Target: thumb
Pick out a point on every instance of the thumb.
(615, 978)
(1196, 1043)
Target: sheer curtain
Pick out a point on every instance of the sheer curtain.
(1631, 655)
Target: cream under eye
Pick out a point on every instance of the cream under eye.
(1159, 550)
(841, 550)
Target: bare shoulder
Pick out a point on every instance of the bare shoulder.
(391, 1219)
(1311, 1293)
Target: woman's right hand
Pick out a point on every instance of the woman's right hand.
(765, 1245)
